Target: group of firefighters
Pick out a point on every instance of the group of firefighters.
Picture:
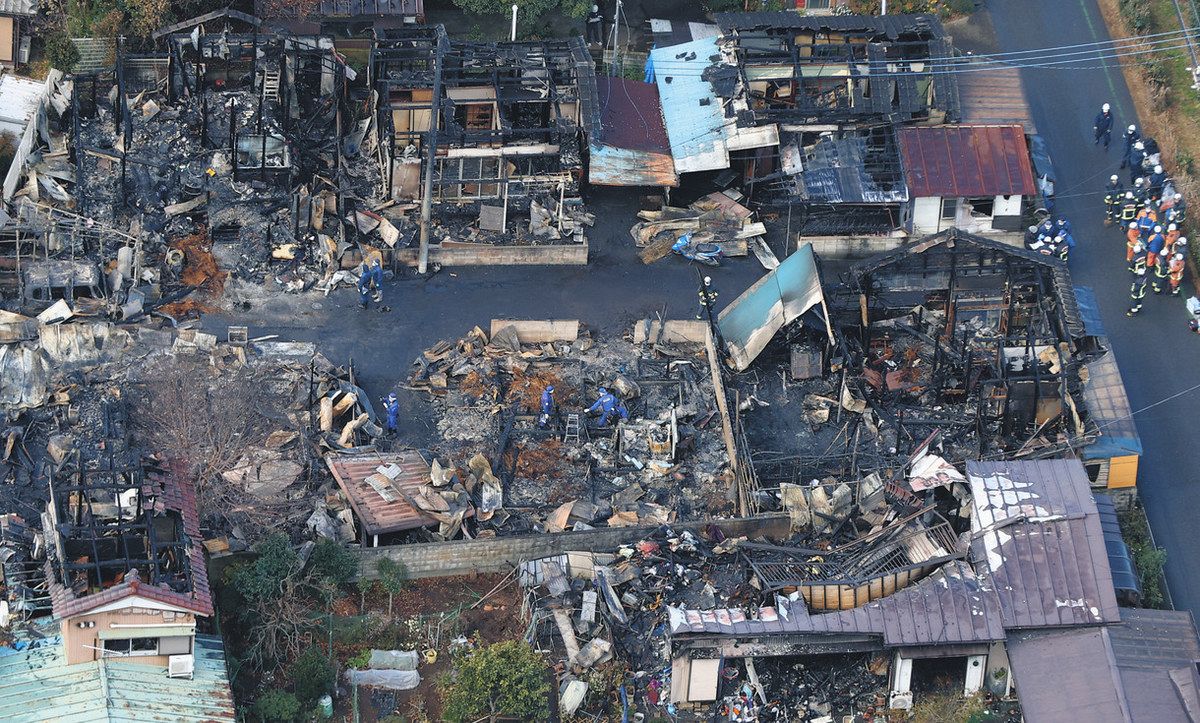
(1151, 212)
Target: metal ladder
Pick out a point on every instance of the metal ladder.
(573, 429)
(271, 84)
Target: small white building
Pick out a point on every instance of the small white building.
(974, 178)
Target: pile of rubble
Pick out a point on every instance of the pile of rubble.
(717, 218)
(666, 462)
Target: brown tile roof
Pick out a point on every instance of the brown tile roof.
(173, 491)
(379, 516)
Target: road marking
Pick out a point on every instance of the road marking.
(1104, 63)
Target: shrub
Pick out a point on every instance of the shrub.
(276, 705)
(61, 52)
(507, 678)
(313, 676)
(391, 576)
(332, 562)
(263, 579)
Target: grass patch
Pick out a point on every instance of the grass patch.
(1148, 559)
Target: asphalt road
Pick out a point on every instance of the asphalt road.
(609, 294)
(1155, 350)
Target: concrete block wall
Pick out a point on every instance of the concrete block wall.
(464, 557)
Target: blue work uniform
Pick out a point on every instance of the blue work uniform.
(392, 407)
(1103, 127)
(608, 405)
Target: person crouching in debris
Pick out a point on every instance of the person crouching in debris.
(391, 405)
(1137, 288)
(606, 406)
(547, 408)
(370, 277)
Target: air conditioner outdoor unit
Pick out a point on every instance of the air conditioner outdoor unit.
(23, 50)
(180, 666)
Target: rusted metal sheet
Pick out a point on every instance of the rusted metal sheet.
(378, 515)
(966, 161)
(631, 148)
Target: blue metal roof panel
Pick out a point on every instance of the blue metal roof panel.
(1107, 405)
(37, 685)
(1089, 311)
(694, 117)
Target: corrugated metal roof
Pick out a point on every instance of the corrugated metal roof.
(1037, 536)
(966, 161)
(1157, 652)
(18, 7)
(1107, 405)
(1125, 577)
(693, 117)
(631, 147)
(996, 97)
(355, 8)
(18, 101)
(951, 606)
(1066, 676)
(890, 26)
(37, 685)
(1089, 311)
(378, 516)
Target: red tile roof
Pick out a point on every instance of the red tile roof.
(177, 493)
(966, 161)
(378, 516)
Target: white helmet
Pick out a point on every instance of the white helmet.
(1171, 227)
(1158, 229)
(1139, 145)
(1138, 246)
(1132, 128)
(1104, 108)
(1139, 181)
(1178, 257)
(1112, 178)
(707, 280)
(1179, 197)
(1158, 169)
(1133, 224)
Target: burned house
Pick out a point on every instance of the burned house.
(806, 109)
(974, 178)
(341, 18)
(232, 157)
(117, 561)
(486, 133)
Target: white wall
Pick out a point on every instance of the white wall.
(926, 217)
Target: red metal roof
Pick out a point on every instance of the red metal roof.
(379, 516)
(631, 147)
(966, 161)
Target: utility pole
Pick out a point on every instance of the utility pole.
(431, 155)
(514, 24)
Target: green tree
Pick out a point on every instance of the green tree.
(330, 561)
(391, 576)
(506, 678)
(276, 706)
(61, 52)
(529, 11)
(263, 580)
(313, 676)
(364, 585)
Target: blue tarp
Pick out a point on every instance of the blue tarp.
(1089, 311)
(774, 301)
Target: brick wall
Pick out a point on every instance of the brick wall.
(462, 557)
